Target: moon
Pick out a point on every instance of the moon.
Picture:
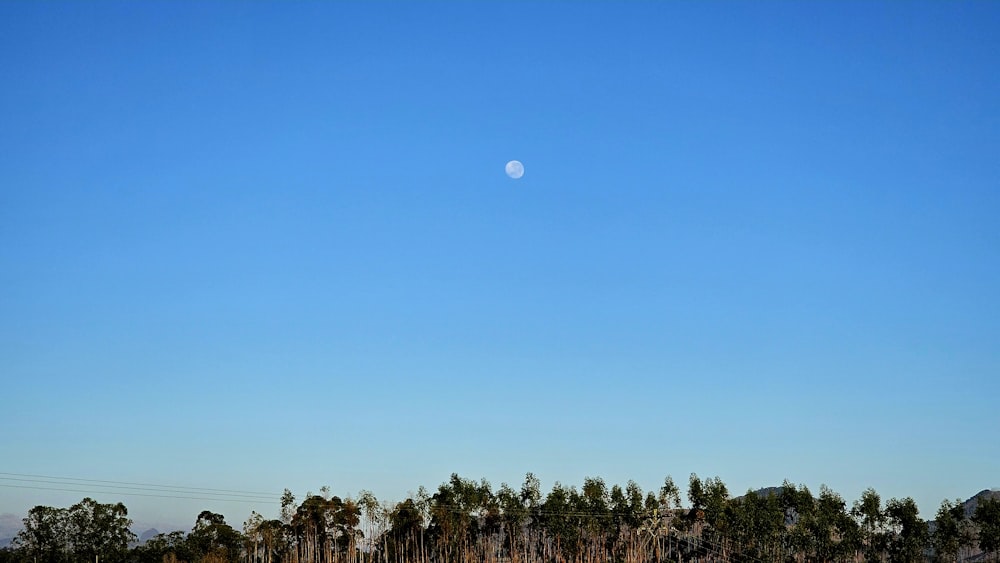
(514, 169)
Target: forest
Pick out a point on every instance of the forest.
(467, 521)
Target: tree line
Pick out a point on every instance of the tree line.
(467, 521)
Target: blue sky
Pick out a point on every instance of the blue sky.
(252, 246)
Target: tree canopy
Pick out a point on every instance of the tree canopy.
(466, 521)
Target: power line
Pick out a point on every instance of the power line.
(119, 489)
(137, 494)
(128, 488)
(159, 486)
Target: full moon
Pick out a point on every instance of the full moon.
(514, 169)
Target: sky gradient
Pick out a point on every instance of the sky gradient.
(253, 246)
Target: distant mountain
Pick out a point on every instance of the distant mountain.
(10, 525)
(142, 537)
(969, 508)
(142, 527)
(970, 505)
(768, 492)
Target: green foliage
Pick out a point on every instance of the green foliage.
(287, 506)
(559, 519)
(696, 493)
(670, 494)
(799, 506)
(910, 536)
(867, 511)
(465, 521)
(212, 540)
(461, 511)
(987, 517)
(163, 547)
(9, 555)
(323, 527)
(949, 534)
(756, 525)
(406, 523)
(716, 497)
(837, 535)
(86, 532)
(44, 537)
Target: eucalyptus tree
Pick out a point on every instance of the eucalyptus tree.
(669, 494)
(447, 525)
(693, 521)
(212, 540)
(909, 533)
(87, 531)
(252, 537)
(423, 504)
(275, 541)
(490, 521)
(461, 512)
(163, 548)
(559, 520)
(947, 536)
(406, 528)
(531, 500)
(99, 531)
(696, 493)
(514, 517)
(309, 524)
(716, 498)
(598, 528)
(400, 529)
(43, 537)
(799, 508)
(635, 515)
(287, 506)
(373, 523)
(619, 508)
(707, 517)
(836, 535)
(465, 519)
(669, 497)
(756, 526)
(987, 518)
(868, 513)
(343, 518)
